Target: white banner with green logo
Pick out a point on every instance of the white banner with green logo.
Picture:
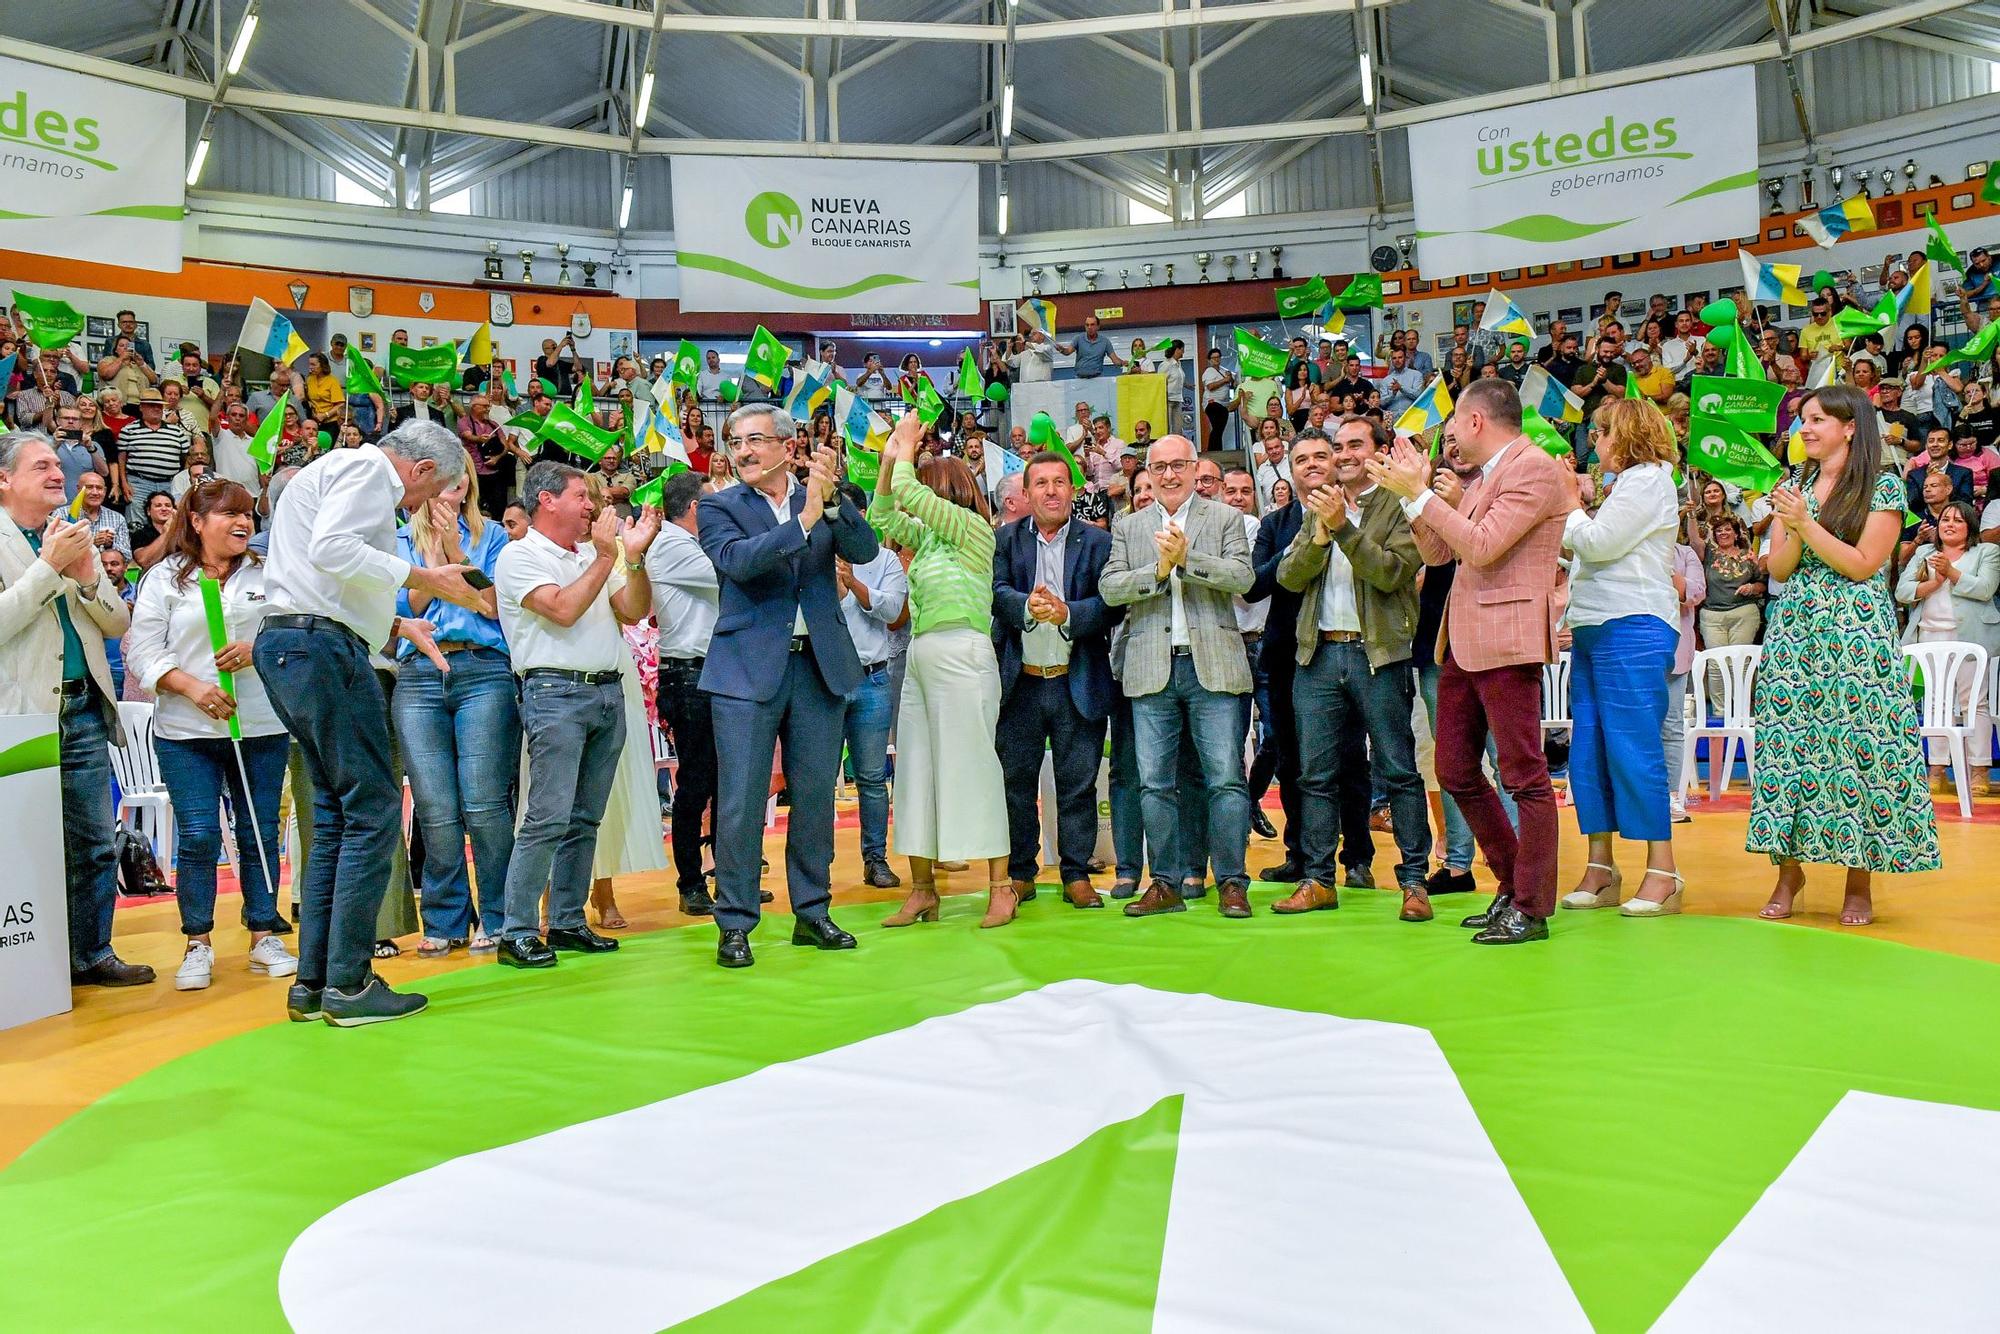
(90, 169)
(800, 234)
(34, 906)
(1657, 164)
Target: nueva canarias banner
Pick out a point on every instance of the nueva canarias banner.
(1657, 164)
(801, 234)
(90, 169)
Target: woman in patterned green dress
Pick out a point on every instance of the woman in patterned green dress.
(1840, 771)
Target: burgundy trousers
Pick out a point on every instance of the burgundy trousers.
(1506, 701)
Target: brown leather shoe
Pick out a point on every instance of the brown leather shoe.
(1310, 896)
(1081, 895)
(1024, 891)
(1160, 897)
(1232, 898)
(1416, 906)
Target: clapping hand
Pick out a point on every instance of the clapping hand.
(604, 532)
(1941, 565)
(1172, 544)
(1790, 507)
(1406, 471)
(1045, 605)
(1329, 505)
(825, 468)
(66, 548)
(1446, 486)
(640, 532)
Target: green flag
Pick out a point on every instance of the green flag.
(263, 446)
(864, 466)
(1295, 303)
(1989, 192)
(574, 432)
(361, 376)
(1748, 405)
(929, 406)
(1537, 428)
(425, 365)
(970, 382)
(1365, 290)
(585, 401)
(218, 635)
(1731, 455)
(1938, 247)
(51, 324)
(1042, 434)
(1977, 348)
(687, 363)
(1632, 389)
(654, 492)
(1257, 359)
(1850, 323)
(765, 361)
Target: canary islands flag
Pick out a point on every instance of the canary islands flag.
(266, 331)
(1430, 409)
(1915, 298)
(1770, 282)
(1554, 401)
(1504, 316)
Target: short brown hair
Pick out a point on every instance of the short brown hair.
(950, 478)
(1643, 433)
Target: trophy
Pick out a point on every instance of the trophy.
(1090, 279)
(1147, 269)
(1775, 186)
(1034, 280)
(1277, 270)
(1062, 275)
(1888, 182)
(1124, 277)
(590, 273)
(562, 274)
(1404, 244)
(527, 266)
(1229, 268)
(1170, 275)
(1202, 257)
(1861, 177)
(1839, 174)
(1256, 258)
(493, 273)
(1909, 175)
(1806, 194)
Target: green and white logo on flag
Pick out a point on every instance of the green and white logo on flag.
(773, 220)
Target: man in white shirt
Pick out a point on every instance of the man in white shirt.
(1274, 468)
(684, 603)
(565, 589)
(1036, 361)
(872, 597)
(708, 383)
(331, 578)
(232, 449)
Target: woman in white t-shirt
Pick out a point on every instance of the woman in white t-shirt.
(1949, 584)
(1218, 395)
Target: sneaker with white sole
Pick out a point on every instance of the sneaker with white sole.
(197, 969)
(270, 957)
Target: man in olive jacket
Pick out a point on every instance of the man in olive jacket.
(1354, 564)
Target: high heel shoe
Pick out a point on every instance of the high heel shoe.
(1770, 911)
(1606, 897)
(921, 906)
(1001, 905)
(1638, 907)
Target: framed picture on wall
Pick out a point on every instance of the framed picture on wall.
(94, 351)
(367, 342)
(621, 343)
(1461, 313)
(99, 327)
(1538, 270)
(1570, 315)
(1000, 319)
(1542, 323)
(1695, 301)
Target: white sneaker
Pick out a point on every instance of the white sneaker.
(1678, 811)
(270, 957)
(197, 970)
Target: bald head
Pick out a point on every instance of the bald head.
(1170, 460)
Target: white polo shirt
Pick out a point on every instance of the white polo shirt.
(593, 644)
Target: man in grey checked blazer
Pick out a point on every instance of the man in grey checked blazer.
(1176, 565)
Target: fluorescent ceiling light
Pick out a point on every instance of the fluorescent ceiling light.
(241, 48)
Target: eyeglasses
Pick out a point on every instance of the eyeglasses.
(755, 440)
(1164, 466)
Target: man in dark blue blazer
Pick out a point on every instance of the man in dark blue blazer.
(779, 666)
(1277, 663)
(1052, 634)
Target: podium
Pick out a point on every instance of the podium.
(34, 904)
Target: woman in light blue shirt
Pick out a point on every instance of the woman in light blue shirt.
(460, 731)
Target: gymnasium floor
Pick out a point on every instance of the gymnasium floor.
(1641, 1084)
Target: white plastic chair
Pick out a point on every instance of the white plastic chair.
(1948, 709)
(1736, 668)
(142, 798)
(1555, 694)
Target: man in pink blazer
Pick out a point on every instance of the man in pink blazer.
(1505, 531)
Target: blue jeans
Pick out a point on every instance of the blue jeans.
(197, 773)
(144, 489)
(1458, 848)
(1618, 701)
(90, 829)
(574, 734)
(461, 738)
(870, 711)
(1335, 694)
(1216, 721)
(326, 693)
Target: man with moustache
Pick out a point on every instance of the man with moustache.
(1354, 566)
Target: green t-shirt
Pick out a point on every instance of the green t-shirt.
(75, 666)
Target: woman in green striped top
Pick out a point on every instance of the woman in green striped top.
(950, 802)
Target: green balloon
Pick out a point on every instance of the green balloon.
(1722, 335)
(728, 390)
(996, 392)
(1042, 431)
(325, 440)
(1719, 312)
(1823, 281)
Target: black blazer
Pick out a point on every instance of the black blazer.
(1274, 537)
(1085, 549)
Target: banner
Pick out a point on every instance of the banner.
(428, 365)
(1748, 405)
(34, 912)
(90, 169)
(1623, 170)
(1142, 398)
(802, 234)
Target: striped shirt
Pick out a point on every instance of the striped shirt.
(951, 578)
(153, 453)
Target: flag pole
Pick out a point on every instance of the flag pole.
(243, 772)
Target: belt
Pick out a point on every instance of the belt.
(1059, 669)
(461, 646)
(800, 643)
(1340, 636)
(578, 678)
(1182, 650)
(682, 664)
(875, 667)
(72, 689)
(295, 621)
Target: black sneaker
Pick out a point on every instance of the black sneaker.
(876, 872)
(302, 1003)
(371, 1003)
(1444, 880)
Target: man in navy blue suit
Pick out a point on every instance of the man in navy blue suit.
(779, 667)
(1051, 632)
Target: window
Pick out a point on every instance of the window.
(349, 191)
(1137, 212)
(1236, 206)
(458, 202)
